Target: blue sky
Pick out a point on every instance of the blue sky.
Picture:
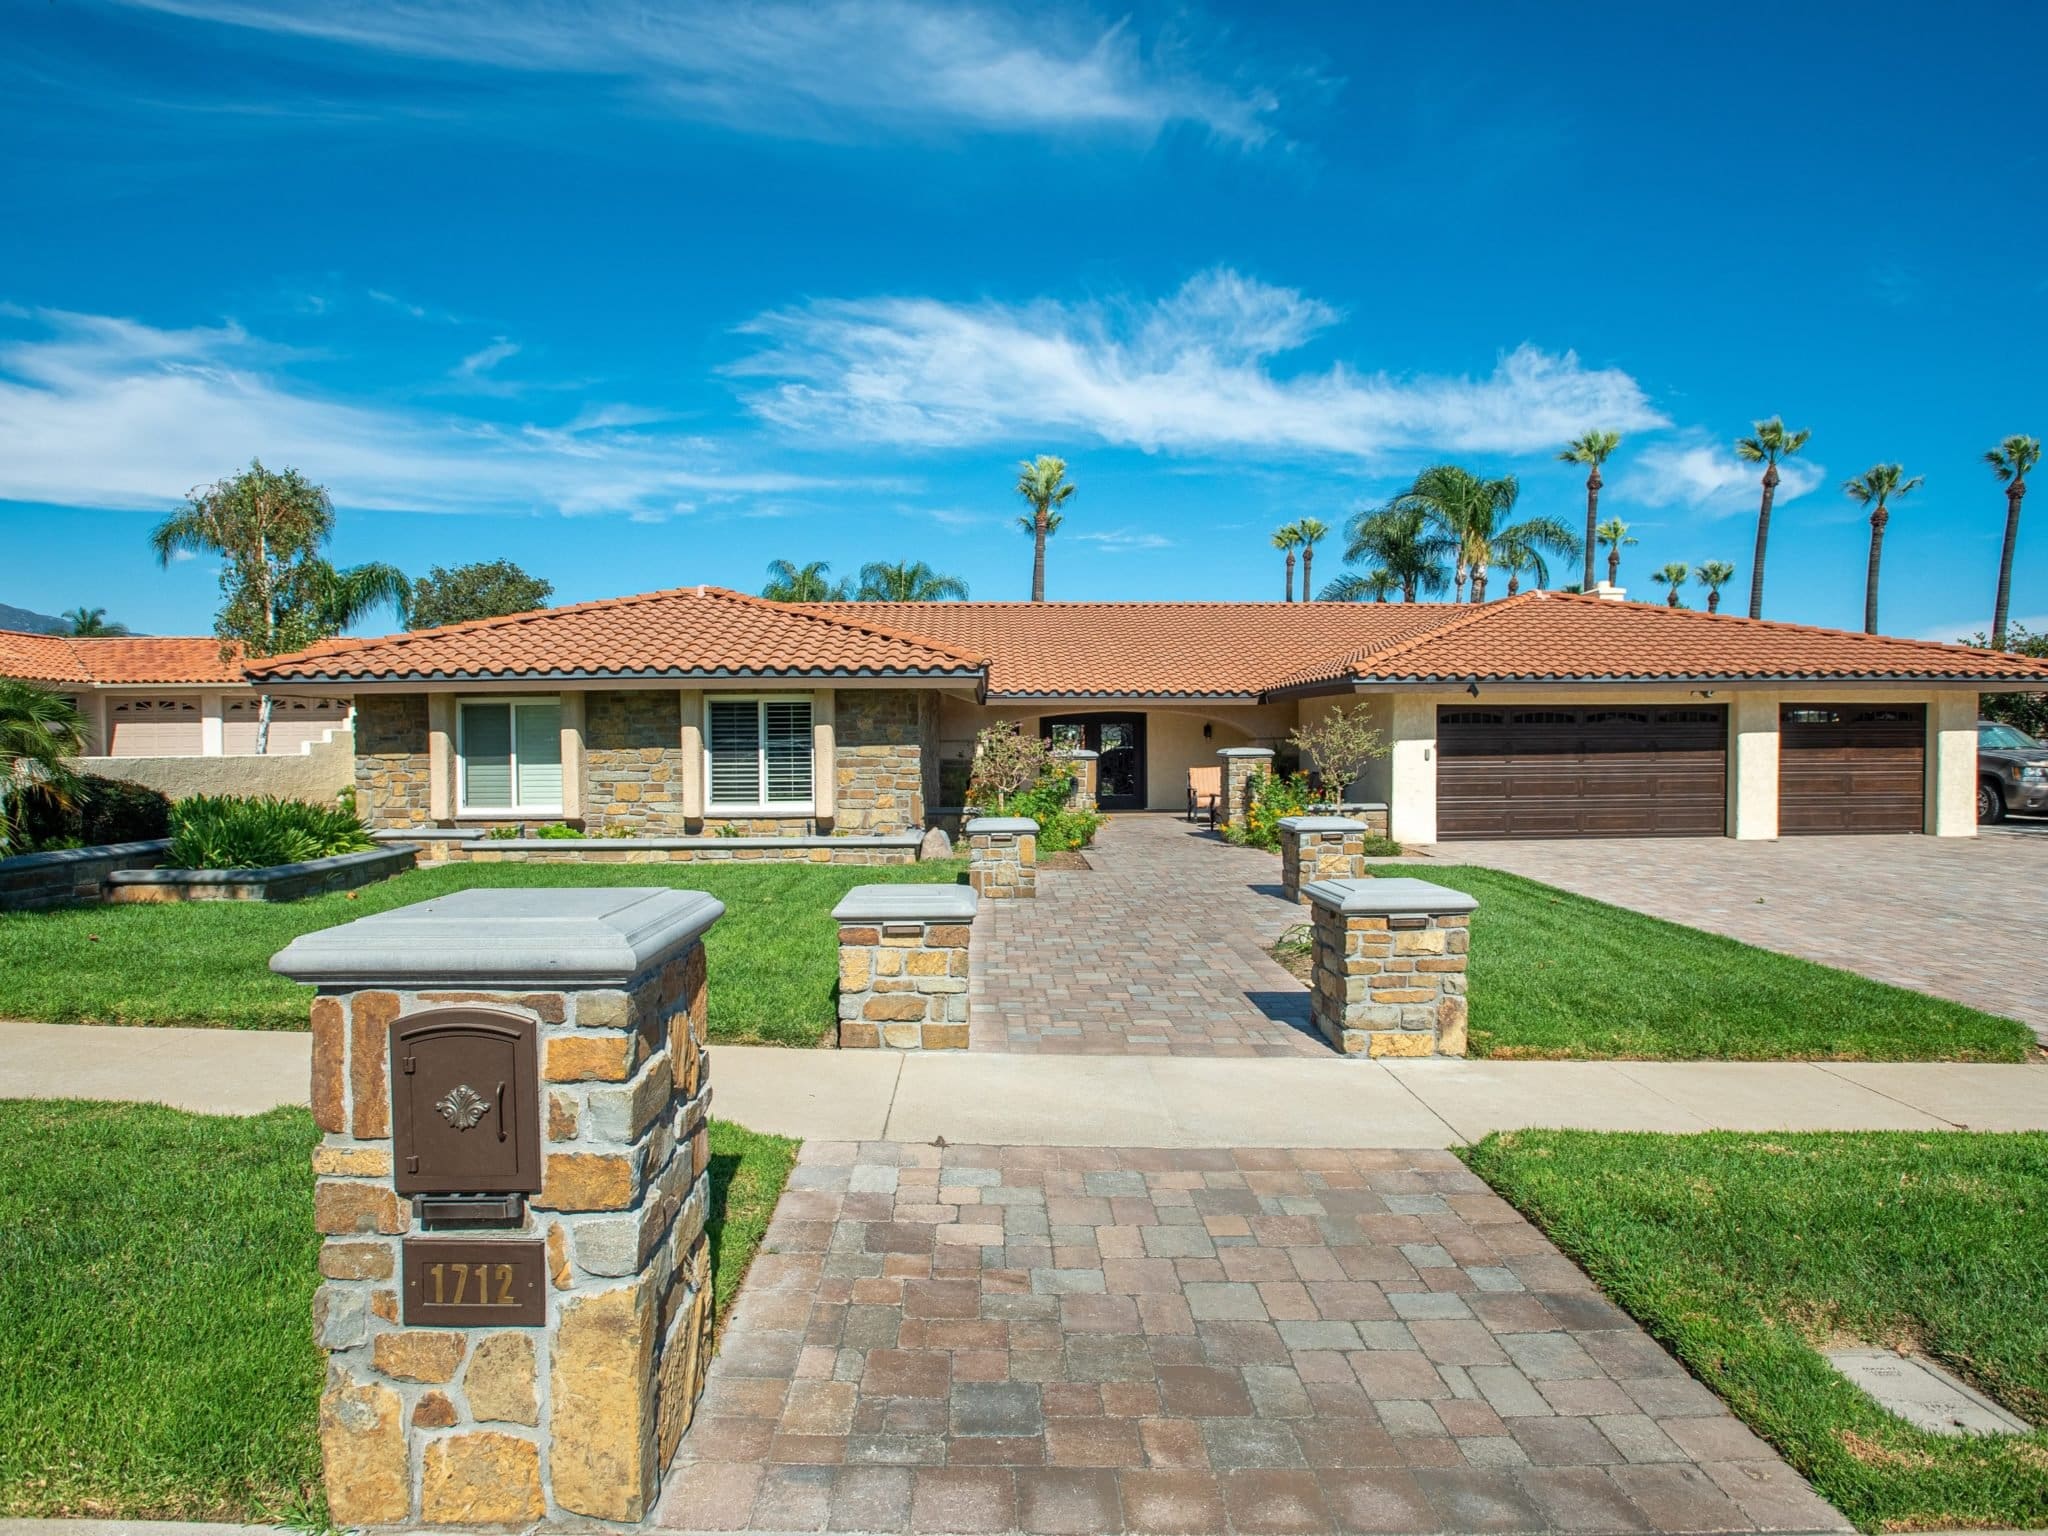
(646, 295)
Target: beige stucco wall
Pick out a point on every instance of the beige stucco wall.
(317, 774)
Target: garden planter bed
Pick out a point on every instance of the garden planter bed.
(66, 875)
(280, 882)
(462, 845)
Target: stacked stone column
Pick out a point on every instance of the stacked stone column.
(574, 1419)
(1002, 857)
(1239, 765)
(1083, 764)
(1390, 960)
(903, 966)
(1316, 848)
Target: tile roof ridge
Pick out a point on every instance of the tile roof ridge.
(1452, 625)
(818, 613)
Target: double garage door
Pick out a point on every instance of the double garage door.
(1662, 771)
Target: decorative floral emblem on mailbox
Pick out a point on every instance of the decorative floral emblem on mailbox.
(462, 1106)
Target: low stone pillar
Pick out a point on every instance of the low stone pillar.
(1390, 966)
(1316, 848)
(1239, 764)
(1083, 765)
(1002, 859)
(903, 966)
(512, 1187)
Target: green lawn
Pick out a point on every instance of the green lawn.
(773, 956)
(1557, 975)
(156, 1284)
(1743, 1252)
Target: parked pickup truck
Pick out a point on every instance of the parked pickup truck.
(2012, 772)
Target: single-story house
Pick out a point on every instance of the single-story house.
(1547, 714)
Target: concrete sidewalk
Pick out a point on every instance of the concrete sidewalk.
(1111, 1101)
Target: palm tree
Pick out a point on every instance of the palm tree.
(1877, 488)
(1770, 444)
(1313, 531)
(1614, 535)
(91, 623)
(342, 597)
(38, 730)
(792, 583)
(1288, 537)
(2010, 461)
(1401, 542)
(909, 581)
(1470, 512)
(1672, 575)
(1374, 586)
(1592, 451)
(1044, 484)
(1714, 575)
(1515, 559)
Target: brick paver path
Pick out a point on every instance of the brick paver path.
(1039, 1339)
(1961, 918)
(1159, 950)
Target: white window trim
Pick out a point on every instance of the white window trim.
(713, 807)
(462, 805)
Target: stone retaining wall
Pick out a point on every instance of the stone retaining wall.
(1390, 958)
(279, 882)
(903, 967)
(1002, 857)
(67, 875)
(470, 846)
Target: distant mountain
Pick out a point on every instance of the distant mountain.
(31, 621)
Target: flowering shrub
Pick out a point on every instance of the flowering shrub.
(1268, 797)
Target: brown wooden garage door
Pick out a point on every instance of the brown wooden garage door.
(1852, 768)
(1573, 771)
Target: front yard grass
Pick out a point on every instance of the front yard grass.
(773, 956)
(156, 1284)
(1555, 975)
(1744, 1252)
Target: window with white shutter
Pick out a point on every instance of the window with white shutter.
(758, 755)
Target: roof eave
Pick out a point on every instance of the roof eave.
(640, 674)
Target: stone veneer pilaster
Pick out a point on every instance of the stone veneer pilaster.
(1002, 856)
(1389, 975)
(1083, 764)
(903, 966)
(633, 762)
(1316, 848)
(1239, 764)
(573, 1421)
(392, 765)
(878, 760)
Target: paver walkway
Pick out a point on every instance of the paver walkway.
(981, 1339)
(1158, 950)
(1961, 918)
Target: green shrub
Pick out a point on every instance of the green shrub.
(557, 829)
(256, 832)
(503, 834)
(1268, 797)
(1061, 829)
(103, 811)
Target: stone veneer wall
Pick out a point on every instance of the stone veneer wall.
(66, 875)
(903, 984)
(509, 1426)
(1382, 990)
(391, 760)
(633, 762)
(879, 752)
(716, 850)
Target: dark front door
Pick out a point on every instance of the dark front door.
(1118, 741)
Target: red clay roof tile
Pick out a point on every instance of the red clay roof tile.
(112, 661)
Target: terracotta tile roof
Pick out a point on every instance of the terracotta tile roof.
(1569, 637)
(682, 632)
(115, 660)
(1185, 650)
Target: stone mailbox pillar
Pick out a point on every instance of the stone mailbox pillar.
(903, 966)
(1083, 765)
(512, 1187)
(1316, 848)
(1390, 966)
(1239, 764)
(1002, 857)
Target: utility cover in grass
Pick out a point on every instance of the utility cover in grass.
(1923, 1394)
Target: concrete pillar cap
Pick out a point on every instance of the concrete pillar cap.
(907, 904)
(1388, 898)
(1321, 824)
(1001, 824)
(1244, 751)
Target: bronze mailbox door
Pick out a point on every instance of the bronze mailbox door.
(465, 1103)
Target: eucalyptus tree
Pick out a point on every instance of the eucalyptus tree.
(1043, 483)
(1877, 488)
(2010, 461)
(1591, 450)
(1770, 443)
(1401, 542)
(1714, 575)
(789, 582)
(907, 581)
(1287, 537)
(1671, 576)
(1614, 537)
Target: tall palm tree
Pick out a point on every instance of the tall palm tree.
(1770, 444)
(2010, 461)
(1877, 488)
(908, 581)
(1615, 536)
(1044, 484)
(1313, 531)
(1374, 586)
(1518, 559)
(1714, 575)
(1672, 575)
(341, 598)
(1401, 542)
(1472, 513)
(1592, 450)
(38, 730)
(91, 623)
(792, 583)
(1288, 537)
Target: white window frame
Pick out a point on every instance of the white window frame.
(716, 807)
(462, 805)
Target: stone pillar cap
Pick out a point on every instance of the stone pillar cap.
(907, 904)
(1387, 898)
(1244, 751)
(1321, 824)
(1001, 824)
(1075, 752)
(506, 938)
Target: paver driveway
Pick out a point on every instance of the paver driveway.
(978, 1339)
(1159, 949)
(1962, 918)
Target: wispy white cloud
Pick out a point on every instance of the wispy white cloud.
(1119, 539)
(1194, 372)
(1707, 478)
(99, 411)
(802, 70)
(1962, 629)
(484, 359)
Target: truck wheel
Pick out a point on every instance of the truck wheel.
(1990, 803)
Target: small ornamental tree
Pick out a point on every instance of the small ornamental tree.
(1339, 747)
(1007, 762)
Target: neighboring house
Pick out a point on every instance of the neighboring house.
(1545, 714)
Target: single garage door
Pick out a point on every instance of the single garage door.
(1627, 770)
(1852, 768)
